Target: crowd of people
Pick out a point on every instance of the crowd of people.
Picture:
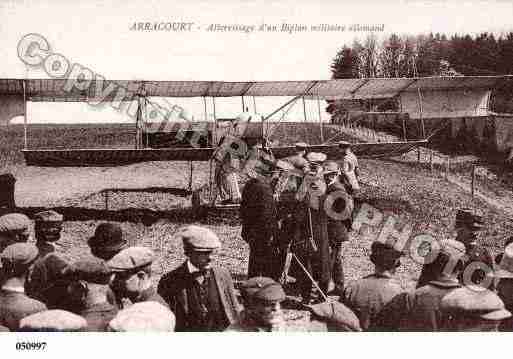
(296, 214)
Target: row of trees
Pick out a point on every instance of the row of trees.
(430, 55)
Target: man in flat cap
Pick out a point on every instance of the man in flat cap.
(259, 216)
(367, 296)
(17, 260)
(48, 280)
(143, 317)
(107, 241)
(503, 275)
(14, 227)
(201, 295)
(420, 310)
(473, 308)
(339, 207)
(132, 282)
(88, 293)
(56, 320)
(477, 261)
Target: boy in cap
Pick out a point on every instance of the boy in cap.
(467, 226)
(55, 320)
(48, 280)
(132, 281)
(339, 207)
(17, 260)
(473, 308)
(201, 295)
(262, 298)
(259, 217)
(367, 296)
(420, 310)
(107, 241)
(143, 317)
(88, 293)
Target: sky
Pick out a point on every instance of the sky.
(98, 34)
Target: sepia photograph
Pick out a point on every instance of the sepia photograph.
(252, 166)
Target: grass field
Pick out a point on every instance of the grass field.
(411, 195)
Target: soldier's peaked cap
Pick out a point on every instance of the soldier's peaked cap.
(316, 157)
(20, 254)
(48, 216)
(53, 320)
(14, 223)
(199, 238)
(263, 289)
(131, 258)
(330, 167)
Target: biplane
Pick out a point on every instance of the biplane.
(172, 142)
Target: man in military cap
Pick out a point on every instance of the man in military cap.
(201, 295)
(477, 261)
(143, 317)
(14, 227)
(107, 241)
(88, 293)
(310, 241)
(350, 170)
(473, 308)
(132, 282)
(56, 320)
(259, 216)
(17, 260)
(48, 280)
(420, 310)
(367, 296)
(339, 207)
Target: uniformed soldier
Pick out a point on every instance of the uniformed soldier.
(478, 260)
(420, 310)
(310, 242)
(88, 293)
(14, 227)
(504, 276)
(339, 207)
(473, 308)
(49, 278)
(107, 241)
(55, 320)
(350, 169)
(259, 216)
(143, 317)
(17, 260)
(132, 282)
(367, 296)
(201, 295)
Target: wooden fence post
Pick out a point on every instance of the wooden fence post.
(473, 182)
(431, 160)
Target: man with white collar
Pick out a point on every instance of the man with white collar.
(201, 295)
(17, 260)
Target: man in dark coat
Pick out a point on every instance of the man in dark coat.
(339, 207)
(49, 278)
(420, 310)
(132, 282)
(201, 295)
(88, 294)
(477, 260)
(259, 218)
(17, 260)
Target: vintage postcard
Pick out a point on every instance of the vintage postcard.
(253, 166)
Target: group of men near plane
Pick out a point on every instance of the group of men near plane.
(296, 213)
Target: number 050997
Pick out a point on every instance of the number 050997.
(30, 345)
